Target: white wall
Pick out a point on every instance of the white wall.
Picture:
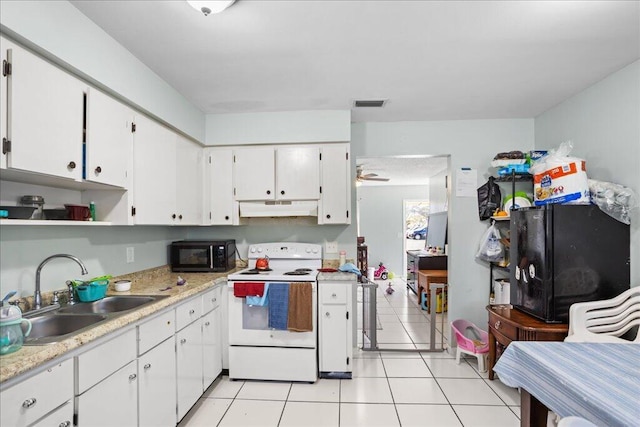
(279, 127)
(382, 222)
(471, 143)
(439, 191)
(59, 29)
(603, 122)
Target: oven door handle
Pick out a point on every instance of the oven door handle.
(211, 257)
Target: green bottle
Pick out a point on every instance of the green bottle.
(92, 210)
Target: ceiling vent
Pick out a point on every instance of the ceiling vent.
(375, 103)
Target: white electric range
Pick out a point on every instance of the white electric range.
(257, 351)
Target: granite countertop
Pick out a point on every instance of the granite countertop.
(339, 276)
(147, 282)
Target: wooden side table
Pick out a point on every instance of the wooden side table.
(363, 259)
(425, 279)
(509, 324)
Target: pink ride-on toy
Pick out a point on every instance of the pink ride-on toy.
(471, 340)
(381, 272)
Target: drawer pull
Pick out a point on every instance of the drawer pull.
(147, 366)
(327, 314)
(132, 377)
(29, 403)
(214, 299)
(64, 424)
(333, 295)
(183, 340)
(497, 325)
(207, 323)
(192, 311)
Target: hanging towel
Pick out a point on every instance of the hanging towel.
(278, 305)
(244, 289)
(262, 301)
(300, 307)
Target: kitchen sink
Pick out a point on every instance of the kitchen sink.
(114, 304)
(62, 323)
(50, 328)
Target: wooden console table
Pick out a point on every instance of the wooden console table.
(508, 324)
(425, 279)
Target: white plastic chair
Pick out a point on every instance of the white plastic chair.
(606, 320)
(478, 347)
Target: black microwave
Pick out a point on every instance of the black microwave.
(202, 256)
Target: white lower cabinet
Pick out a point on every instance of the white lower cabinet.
(112, 402)
(335, 328)
(36, 397)
(211, 348)
(157, 385)
(188, 367)
(61, 417)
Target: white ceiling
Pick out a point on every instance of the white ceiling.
(432, 60)
(402, 170)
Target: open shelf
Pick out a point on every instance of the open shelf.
(53, 222)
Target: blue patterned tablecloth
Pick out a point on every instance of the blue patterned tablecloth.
(596, 381)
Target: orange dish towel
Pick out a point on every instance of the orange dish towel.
(300, 307)
(248, 289)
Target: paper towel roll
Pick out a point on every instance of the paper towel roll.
(371, 273)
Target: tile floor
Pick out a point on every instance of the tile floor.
(389, 388)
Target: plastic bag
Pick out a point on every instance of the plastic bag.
(558, 178)
(491, 248)
(489, 199)
(615, 200)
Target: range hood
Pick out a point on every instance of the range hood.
(278, 209)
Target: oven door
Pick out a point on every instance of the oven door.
(248, 325)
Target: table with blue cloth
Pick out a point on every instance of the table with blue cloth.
(596, 381)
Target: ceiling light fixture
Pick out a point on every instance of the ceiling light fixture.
(211, 6)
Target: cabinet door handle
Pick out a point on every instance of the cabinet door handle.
(214, 299)
(183, 340)
(207, 323)
(268, 191)
(173, 216)
(132, 377)
(71, 165)
(282, 192)
(192, 311)
(65, 424)
(497, 325)
(180, 216)
(29, 403)
(226, 217)
(98, 170)
(328, 216)
(333, 295)
(327, 314)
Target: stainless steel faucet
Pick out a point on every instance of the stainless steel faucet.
(37, 298)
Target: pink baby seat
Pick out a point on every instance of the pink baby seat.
(471, 340)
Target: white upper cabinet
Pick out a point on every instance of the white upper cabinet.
(223, 209)
(189, 177)
(298, 173)
(254, 173)
(45, 107)
(3, 104)
(154, 179)
(167, 176)
(335, 200)
(277, 173)
(109, 140)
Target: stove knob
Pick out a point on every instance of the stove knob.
(315, 250)
(259, 250)
(253, 250)
(308, 250)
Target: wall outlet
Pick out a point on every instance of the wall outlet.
(130, 255)
(331, 247)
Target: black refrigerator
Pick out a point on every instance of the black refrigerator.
(563, 254)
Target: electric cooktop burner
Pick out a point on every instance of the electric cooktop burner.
(256, 271)
(301, 272)
(304, 269)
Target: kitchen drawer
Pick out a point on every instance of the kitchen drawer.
(334, 293)
(188, 312)
(61, 417)
(33, 398)
(98, 363)
(155, 331)
(501, 339)
(211, 299)
(508, 330)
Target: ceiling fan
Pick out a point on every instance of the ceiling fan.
(367, 177)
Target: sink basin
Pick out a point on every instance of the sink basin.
(54, 327)
(114, 304)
